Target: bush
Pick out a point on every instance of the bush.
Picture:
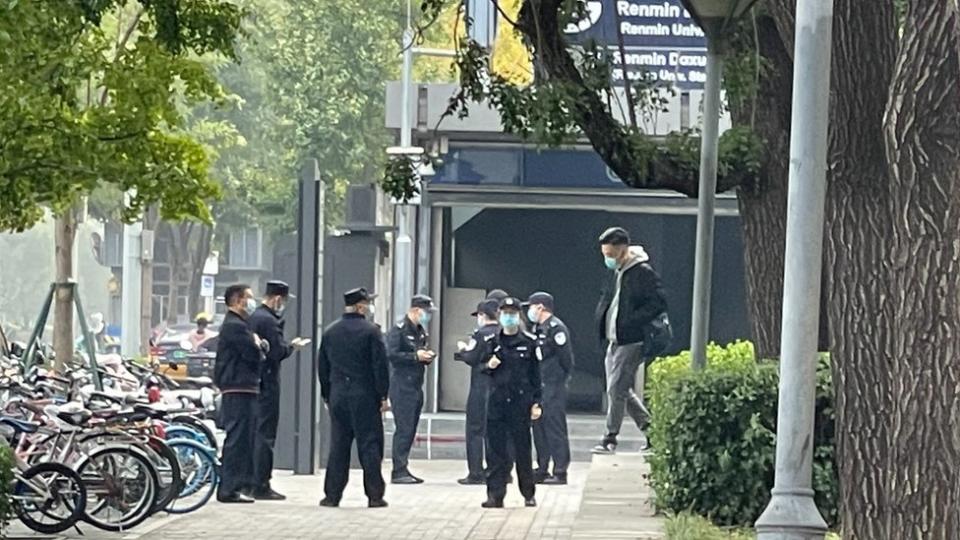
(6, 481)
(714, 435)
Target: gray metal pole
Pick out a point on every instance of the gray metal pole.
(403, 245)
(130, 295)
(703, 265)
(792, 513)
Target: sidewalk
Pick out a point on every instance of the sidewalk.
(598, 503)
(617, 502)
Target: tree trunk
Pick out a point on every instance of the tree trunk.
(894, 256)
(175, 258)
(203, 243)
(64, 235)
(763, 206)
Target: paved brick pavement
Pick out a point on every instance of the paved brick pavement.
(440, 509)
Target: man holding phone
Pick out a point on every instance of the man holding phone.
(409, 354)
(267, 322)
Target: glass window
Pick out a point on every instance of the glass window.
(245, 248)
(481, 166)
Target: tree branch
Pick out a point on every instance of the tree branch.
(121, 45)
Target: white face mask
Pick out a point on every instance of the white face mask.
(251, 306)
(481, 320)
(370, 311)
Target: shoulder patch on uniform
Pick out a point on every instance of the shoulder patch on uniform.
(488, 337)
(400, 324)
(472, 344)
(553, 323)
(560, 338)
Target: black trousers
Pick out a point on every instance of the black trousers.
(508, 423)
(268, 418)
(406, 402)
(550, 431)
(476, 427)
(239, 416)
(354, 415)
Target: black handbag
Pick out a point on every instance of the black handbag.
(657, 336)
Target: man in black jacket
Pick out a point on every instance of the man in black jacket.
(237, 375)
(354, 382)
(471, 353)
(267, 323)
(409, 355)
(633, 298)
(512, 364)
(550, 432)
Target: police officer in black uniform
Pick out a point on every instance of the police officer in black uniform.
(514, 399)
(409, 354)
(267, 322)
(354, 382)
(550, 432)
(237, 375)
(471, 353)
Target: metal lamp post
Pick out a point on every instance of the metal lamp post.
(715, 18)
(792, 513)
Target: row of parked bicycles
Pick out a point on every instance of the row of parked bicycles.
(110, 458)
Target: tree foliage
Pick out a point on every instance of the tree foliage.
(573, 96)
(81, 106)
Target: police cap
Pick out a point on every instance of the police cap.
(278, 288)
(510, 303)
(355, 296)
(541, 298)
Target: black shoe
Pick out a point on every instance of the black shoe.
(530, 503)
(540, 477)
(329, 503)
(234, 498)
(268, 495)
(559, 479)
(471, 481)
(406, 479)
(490, 503)
(377, 503)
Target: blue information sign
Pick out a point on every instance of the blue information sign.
(659, 37)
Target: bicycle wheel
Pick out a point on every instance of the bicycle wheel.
(121, 487)
(168, 473)
(200, 476)
(209, 435)
(49, 498)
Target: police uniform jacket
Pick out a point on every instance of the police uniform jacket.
(352, 354)
(478, 352)
(517, 378)
(403, 342)
(554, 340)
(266, 323)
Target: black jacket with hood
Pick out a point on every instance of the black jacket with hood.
(642, 299)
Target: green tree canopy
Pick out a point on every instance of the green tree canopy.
(92, 94)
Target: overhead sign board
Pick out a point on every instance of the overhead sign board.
(659, 37)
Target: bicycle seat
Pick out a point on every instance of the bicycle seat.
(151, 411)
(77, 418)
(20, 426)
(198, 381)
(106, 397)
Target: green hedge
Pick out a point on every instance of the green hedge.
(6, 481)
(714, 434)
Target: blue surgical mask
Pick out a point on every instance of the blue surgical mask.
(510, 320)
(251, 306)
(610, 263)
(425, 318)
(532, 314)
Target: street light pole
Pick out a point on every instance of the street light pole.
(403, 248)
(792, 513)
(130, 291)
(703, 263)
